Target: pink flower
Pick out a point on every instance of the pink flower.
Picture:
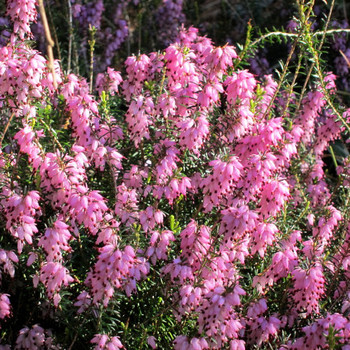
(316, 334)
(5, 306)
(223, 180)
(34, 338)
(21, 215)
(240, 86)
(309, 287)
(139, 117)
(193, 132)
(108, 82)
(53, 275)
(103, 341)
(115, 269)
(55, 240)
(22, 12)
(84, 301)
(7, 258)
(210, 94)
(275, 193)
(220, 58)
(182, 343)
(151, 341)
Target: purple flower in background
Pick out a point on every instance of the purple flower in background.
(169, 17)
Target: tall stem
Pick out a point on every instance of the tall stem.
(70, 41)
(92, 42)
(50, 42)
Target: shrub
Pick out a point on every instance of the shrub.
(181, 203)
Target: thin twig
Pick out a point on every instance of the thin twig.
(70, 40)
(6, 127)
(284, 72)
(57, 43)
(333, 156)
(273, 34)
(50, 42)
(92, 42)
(291, 88)
(285, 68)
(345, 58)
(304, 86)
(293, 35)
(54, 137)
(344, 93)
(76, 58)
(324, 32)
(323, 85)
(74, 340)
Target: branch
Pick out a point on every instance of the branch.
(293, 35)
(70, 28)
(50, 42)
(6, 128)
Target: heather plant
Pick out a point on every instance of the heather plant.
(181, 203)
